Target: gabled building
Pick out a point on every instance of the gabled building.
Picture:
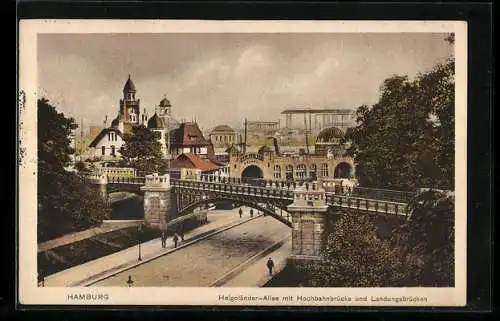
(188, 138)
(107, 143)
(189, 161)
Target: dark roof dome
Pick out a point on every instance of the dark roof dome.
(115, 121)
(165, 103)
(155, 122)
(222, 128)
(329, 134)
(265, 149)
(129, 85)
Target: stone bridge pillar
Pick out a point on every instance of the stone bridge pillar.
(308, 212)
(101, 182)
(157, 200)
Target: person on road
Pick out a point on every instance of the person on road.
(163, 240)
(240, 212)
(176, 239)
(270, 266)
(129, 281)
(182, 235)
(251, 212)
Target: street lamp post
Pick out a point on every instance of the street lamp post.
(205, 208)
(139, 229)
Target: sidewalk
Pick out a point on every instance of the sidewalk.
(257, 274)
(82, 235)
(83, 273)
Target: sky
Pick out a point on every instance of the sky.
(224, 78)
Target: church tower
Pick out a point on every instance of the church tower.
(164, 109)
(129, 105)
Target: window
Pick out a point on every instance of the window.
(103, 150)
(312, 171)
(216, 138)
(301, 171)
(277, 171)
(289, 172)
(324, 170)
(113, 150)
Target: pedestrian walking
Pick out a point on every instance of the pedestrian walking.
(251, 212)
(163, 239)
(176, 239)
(129, 281)
(182, 235)
(270, 266)
(240, 212)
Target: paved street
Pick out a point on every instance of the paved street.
(202, 263)
(88, 271)
(257, 273)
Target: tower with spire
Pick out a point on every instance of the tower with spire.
(129, 105)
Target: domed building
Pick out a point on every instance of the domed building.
(329, 141)
(223, 136)
(162, 124)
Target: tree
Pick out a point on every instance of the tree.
(426, 241)
(355, 256)
(142, 150)
(407, 138)
(65, 202)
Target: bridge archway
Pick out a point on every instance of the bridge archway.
(343, 170)
(246, 203)
(126, 206)
(252, 171)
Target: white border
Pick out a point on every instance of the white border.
(29, 293)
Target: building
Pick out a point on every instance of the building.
(188, 162)
(188, 138)
(107, 143)
(330, 142)
(259, 126)
(223, 136)
(329, 163)
(162, 124)
(318, 119)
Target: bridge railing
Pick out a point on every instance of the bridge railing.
(372, 205)
(240, 189)
(126, 180)
(383, 194)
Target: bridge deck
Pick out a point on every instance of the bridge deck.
(365, 199)
(278, 194)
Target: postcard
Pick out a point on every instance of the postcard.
(242, 163)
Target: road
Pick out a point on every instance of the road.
(203, 263)
(84, 273)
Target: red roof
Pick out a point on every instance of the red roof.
(189, 160)
(188, 134)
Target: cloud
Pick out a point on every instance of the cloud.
(226, 78)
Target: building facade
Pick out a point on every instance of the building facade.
(328, 162)
(107, 143)
(223, 136)
(163, 124)
(257, 126)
